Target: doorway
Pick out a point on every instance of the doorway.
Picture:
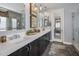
(58, 29)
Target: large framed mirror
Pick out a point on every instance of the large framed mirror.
(12, 20)
(39, 18)
(33, 15)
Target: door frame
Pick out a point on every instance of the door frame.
(62, 30)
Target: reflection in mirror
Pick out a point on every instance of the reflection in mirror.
(43, 16)
(40, 20)
(3, 23)
(14, 18)
(11, 20)
(33, 15)
(14, 23)
(46, 21)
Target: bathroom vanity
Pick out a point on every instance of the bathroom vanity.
(34, 48)
(29, 45)
(17, 42)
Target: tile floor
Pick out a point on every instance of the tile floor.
(59, 49)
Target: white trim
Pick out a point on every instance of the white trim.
(51, 40)
(58, 40)
(67, 43)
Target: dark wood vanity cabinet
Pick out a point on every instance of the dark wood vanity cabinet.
(44, 41)
(39, 45)
(35, 48)
(21, 52)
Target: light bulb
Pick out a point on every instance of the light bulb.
(40, 8)
(35, 9)
(46, 14)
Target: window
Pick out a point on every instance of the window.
(3, 23)
(14, 23)
(58, 25)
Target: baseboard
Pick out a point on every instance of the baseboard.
(57, 40)
(68, 43)
(51, 40)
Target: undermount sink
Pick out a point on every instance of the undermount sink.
(15, 38)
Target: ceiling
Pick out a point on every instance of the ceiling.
(17, 7)
(57, 5)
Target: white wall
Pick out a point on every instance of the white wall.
(51, 18)
(68, 28)
(76, 29)
(67, 25)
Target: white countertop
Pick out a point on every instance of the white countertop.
(8, 32)
(13, 45)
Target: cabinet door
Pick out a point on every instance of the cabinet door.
(21, 52)
(34, 48)
(43, 43)
(16, 53)
(24, 51)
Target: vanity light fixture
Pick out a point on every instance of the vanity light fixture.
(45, 11)
(40, 8)
(34, 7)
